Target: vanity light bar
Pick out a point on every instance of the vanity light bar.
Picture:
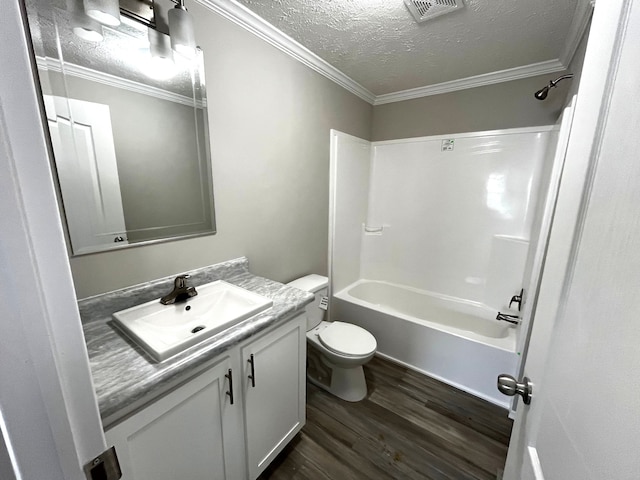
(139, 10)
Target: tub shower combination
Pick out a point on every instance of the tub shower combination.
(430, 239)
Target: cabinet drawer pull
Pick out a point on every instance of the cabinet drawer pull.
(230, 392)
(253, 372)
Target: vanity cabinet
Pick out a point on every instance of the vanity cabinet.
(191, 433)
(195, 433)
(274, 392)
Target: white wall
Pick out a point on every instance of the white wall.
(449, 215)
(350, 165)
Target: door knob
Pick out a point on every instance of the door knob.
(510, 387)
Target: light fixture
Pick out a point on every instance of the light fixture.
(183, 40)
(82, 25)
(106, 12)
(161, 65)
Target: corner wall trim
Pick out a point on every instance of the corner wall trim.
(245, 18)
(550, 66)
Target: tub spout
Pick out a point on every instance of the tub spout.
(505, 317)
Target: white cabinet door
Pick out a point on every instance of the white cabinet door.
(275, 396)
(193, 433)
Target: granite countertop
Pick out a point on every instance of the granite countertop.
(126, 378)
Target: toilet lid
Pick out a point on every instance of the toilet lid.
(347, 339)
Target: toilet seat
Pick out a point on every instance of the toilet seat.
(348, 339)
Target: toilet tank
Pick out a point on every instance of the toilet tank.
(319, 286)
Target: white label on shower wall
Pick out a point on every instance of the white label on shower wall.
(447, 145)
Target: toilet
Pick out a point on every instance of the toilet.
(337, 350)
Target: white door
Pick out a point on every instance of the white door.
(188, 434)
(583, 358)
(85, 158)
(274, 392)
(530, 294)
(49, 419)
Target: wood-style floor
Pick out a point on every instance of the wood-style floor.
(409, 427)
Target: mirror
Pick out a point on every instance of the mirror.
(129, 132)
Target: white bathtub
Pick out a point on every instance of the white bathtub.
(456, 341)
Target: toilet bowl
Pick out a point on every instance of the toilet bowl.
(337, 350)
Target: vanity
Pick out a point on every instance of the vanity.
(223, 408)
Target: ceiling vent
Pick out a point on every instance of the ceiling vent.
(424, 10)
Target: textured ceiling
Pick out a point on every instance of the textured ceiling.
(379, 44)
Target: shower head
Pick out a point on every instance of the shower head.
(544, 91)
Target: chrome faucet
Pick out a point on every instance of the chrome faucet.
(180, 291)
(514, 319)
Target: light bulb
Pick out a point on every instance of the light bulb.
(106, 12)
(82, 25)
(160, 64)
(88, 34)
(181, 29)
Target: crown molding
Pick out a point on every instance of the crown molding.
(245, 18)
(113, 81)
(581, 19)
(550, 66)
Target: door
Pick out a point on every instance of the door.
(49, 419)
(583, 357)
(85, 157)
(275, 392)
(187, 434)
(536, 263)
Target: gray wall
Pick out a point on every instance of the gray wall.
(157, 155)
(503, 105)
(492, 107)
(269, 117)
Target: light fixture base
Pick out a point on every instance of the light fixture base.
(139, 10)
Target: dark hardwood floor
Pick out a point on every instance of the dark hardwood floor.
(409, 427)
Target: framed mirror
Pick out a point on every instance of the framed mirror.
(128, 129)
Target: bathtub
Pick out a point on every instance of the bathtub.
(456, 341)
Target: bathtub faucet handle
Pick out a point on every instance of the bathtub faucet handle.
(517, 299)
(505, 317)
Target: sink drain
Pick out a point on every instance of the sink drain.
(197, 329)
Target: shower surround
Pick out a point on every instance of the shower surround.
(430, 238)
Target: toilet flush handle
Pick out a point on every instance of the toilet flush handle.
(253, 372)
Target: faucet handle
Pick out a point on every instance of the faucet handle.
(517, 299)
(181, 280)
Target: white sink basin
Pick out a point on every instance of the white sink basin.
(165, 330)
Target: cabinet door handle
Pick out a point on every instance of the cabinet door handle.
(230, 392)
(253, 372)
